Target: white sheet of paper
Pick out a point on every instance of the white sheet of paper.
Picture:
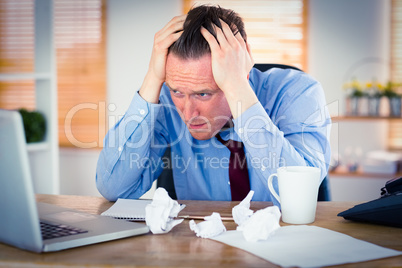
(308, 246)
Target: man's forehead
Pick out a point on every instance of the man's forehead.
(190, 73)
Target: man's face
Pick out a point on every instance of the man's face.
(201, 104)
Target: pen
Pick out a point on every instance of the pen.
(199, 217)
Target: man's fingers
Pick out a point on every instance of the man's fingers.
(229, 35)
(233, 38)
(178, 20)
(220, 35)
(166, 42)
(213, 44)
(174, 26)
(240, 39)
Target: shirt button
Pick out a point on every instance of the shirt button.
(263, 168)
(228, 182)
(142, 112)
(241, 130)
(120, 149)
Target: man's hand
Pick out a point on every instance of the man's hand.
(155, 76)
(231, 64)
(231, 59)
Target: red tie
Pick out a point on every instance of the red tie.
(238, 172)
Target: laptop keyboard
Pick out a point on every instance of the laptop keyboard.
(50, 231)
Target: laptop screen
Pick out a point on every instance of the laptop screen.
(20, 222)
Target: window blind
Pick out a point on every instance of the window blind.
(17, 53)
(80, 34)
(276, 30)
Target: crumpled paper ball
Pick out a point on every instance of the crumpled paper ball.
(160, 214)
(210, 227)
(261, 225)
(242, 211)
(257, 225)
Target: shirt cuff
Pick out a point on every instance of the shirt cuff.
(140, 107)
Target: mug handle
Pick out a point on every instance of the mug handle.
(271, 187)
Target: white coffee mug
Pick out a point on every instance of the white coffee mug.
(298, 192)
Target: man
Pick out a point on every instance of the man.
(201, 93)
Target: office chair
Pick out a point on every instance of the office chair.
(266, 66)
(166, 181)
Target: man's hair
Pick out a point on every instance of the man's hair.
(192, 44)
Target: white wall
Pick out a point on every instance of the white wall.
(350, 38)
(77, 171)
(132, 25)
(346, 38)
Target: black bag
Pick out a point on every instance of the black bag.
(386, 210)
(393, 186)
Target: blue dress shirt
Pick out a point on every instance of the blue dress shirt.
(289, 126)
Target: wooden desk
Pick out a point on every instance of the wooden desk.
(181, 248)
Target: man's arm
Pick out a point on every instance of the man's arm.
(156, 75)
(130, 159)
(298, 136)
(289, 126)
(129, 162)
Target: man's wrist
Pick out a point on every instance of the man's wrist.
(150, 89)
(240, 97)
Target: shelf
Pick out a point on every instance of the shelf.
(37, 146)
(361, 174)
(43, 156)
(24, 76)
(363, 118)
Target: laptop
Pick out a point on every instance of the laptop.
(40, 227)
